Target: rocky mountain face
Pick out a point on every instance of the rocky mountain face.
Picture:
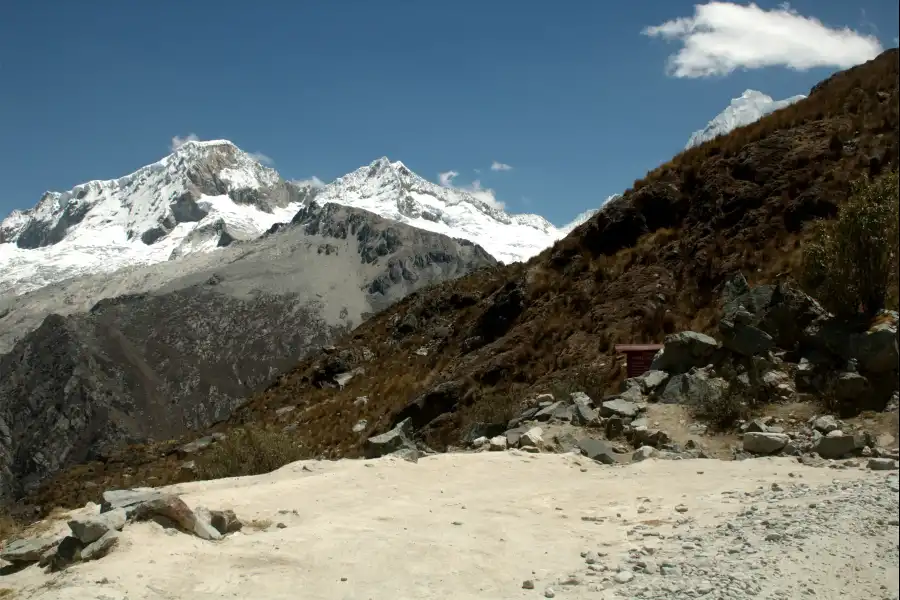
(178, 345)
(748, 108)
(203, 196)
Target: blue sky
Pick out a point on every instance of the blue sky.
(577, 96)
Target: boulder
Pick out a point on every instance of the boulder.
(882, 464)
(876, 349)
(532, 437)
(741, 336)
(100, 547)
(171, 510)
(647, 382)
(644, 436)
(620, 407)
(497, 443)
(693, 388)
(584, 415)
(764, 442)
(93, 527)
(398, 438)
(513, 435)
(838, 444)
(225, 521)
(599, 450)
(127, 499)
(824, 423)
(850, 387)
(683, 351)
(67, 553)
(643, 453)
(29, 550)
(548, 412)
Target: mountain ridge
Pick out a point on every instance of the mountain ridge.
(747, 108)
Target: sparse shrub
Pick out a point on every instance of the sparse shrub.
(722, 412)
(9, 526)
(249, 450)
(850, 264)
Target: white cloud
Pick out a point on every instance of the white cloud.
(446, 178)
(499, 166)
(313, 181)
(178, 141)
(486, 195)
(261, 158)
(723, 36)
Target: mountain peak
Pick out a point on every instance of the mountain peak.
(747, 108)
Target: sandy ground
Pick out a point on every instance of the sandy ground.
(461, 526)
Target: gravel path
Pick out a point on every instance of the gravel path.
(793, 540)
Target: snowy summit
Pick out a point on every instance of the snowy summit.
(748, 108)
(206, 195)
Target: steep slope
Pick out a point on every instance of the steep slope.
(391, 190)
(748, 108)
(195, 336)
(203, 196)
(651, 262)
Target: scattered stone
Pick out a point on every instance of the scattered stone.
(528, 584)
(763, 442)
(398, 438)
(127, 499)
(837, 444)
(882, 464)
(92, 528)
(623, 576)
(532, 437)
(28, 550)
(100, 547)
(498, 443)
(825, 424)
(172, 510)
(619, 407)
(225, 521)
(643, 453)
(599, 450)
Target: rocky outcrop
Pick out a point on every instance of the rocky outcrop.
(201, 335)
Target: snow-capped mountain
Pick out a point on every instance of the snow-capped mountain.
(391, 190)
(206, 195)
(202, 196)
(749, 107)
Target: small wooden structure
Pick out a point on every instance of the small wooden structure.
(638, 357)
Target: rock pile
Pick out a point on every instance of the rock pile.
(91, 537)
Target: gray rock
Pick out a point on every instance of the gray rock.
(683, 351)
(647, 382)
(546, 413)
(644, 436)
(825, 423)
(620, 407)
(92, 528)
(876, 350)
(764, 442)
(100, 547)
(497, 443)
(837, 444)
(28, 550)
(643, 453)
(67, 553)
(599, 450)
(849, 387)
(741, 336)
(584, 415)
(532, 437)
(127, 499)
(398, 438)
(195, 446)
(755, 425)
(513, 435)
(172, 509)
(581, 398)
(693, 388)
(882, 464)
(225, 521)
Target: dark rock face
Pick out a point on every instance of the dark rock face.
(158, 363)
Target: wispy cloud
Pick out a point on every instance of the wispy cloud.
(723, 36)
(486, 195)
(178, 141)
(446, 178)
(313, 181)
(261, 158)
(499, 166)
